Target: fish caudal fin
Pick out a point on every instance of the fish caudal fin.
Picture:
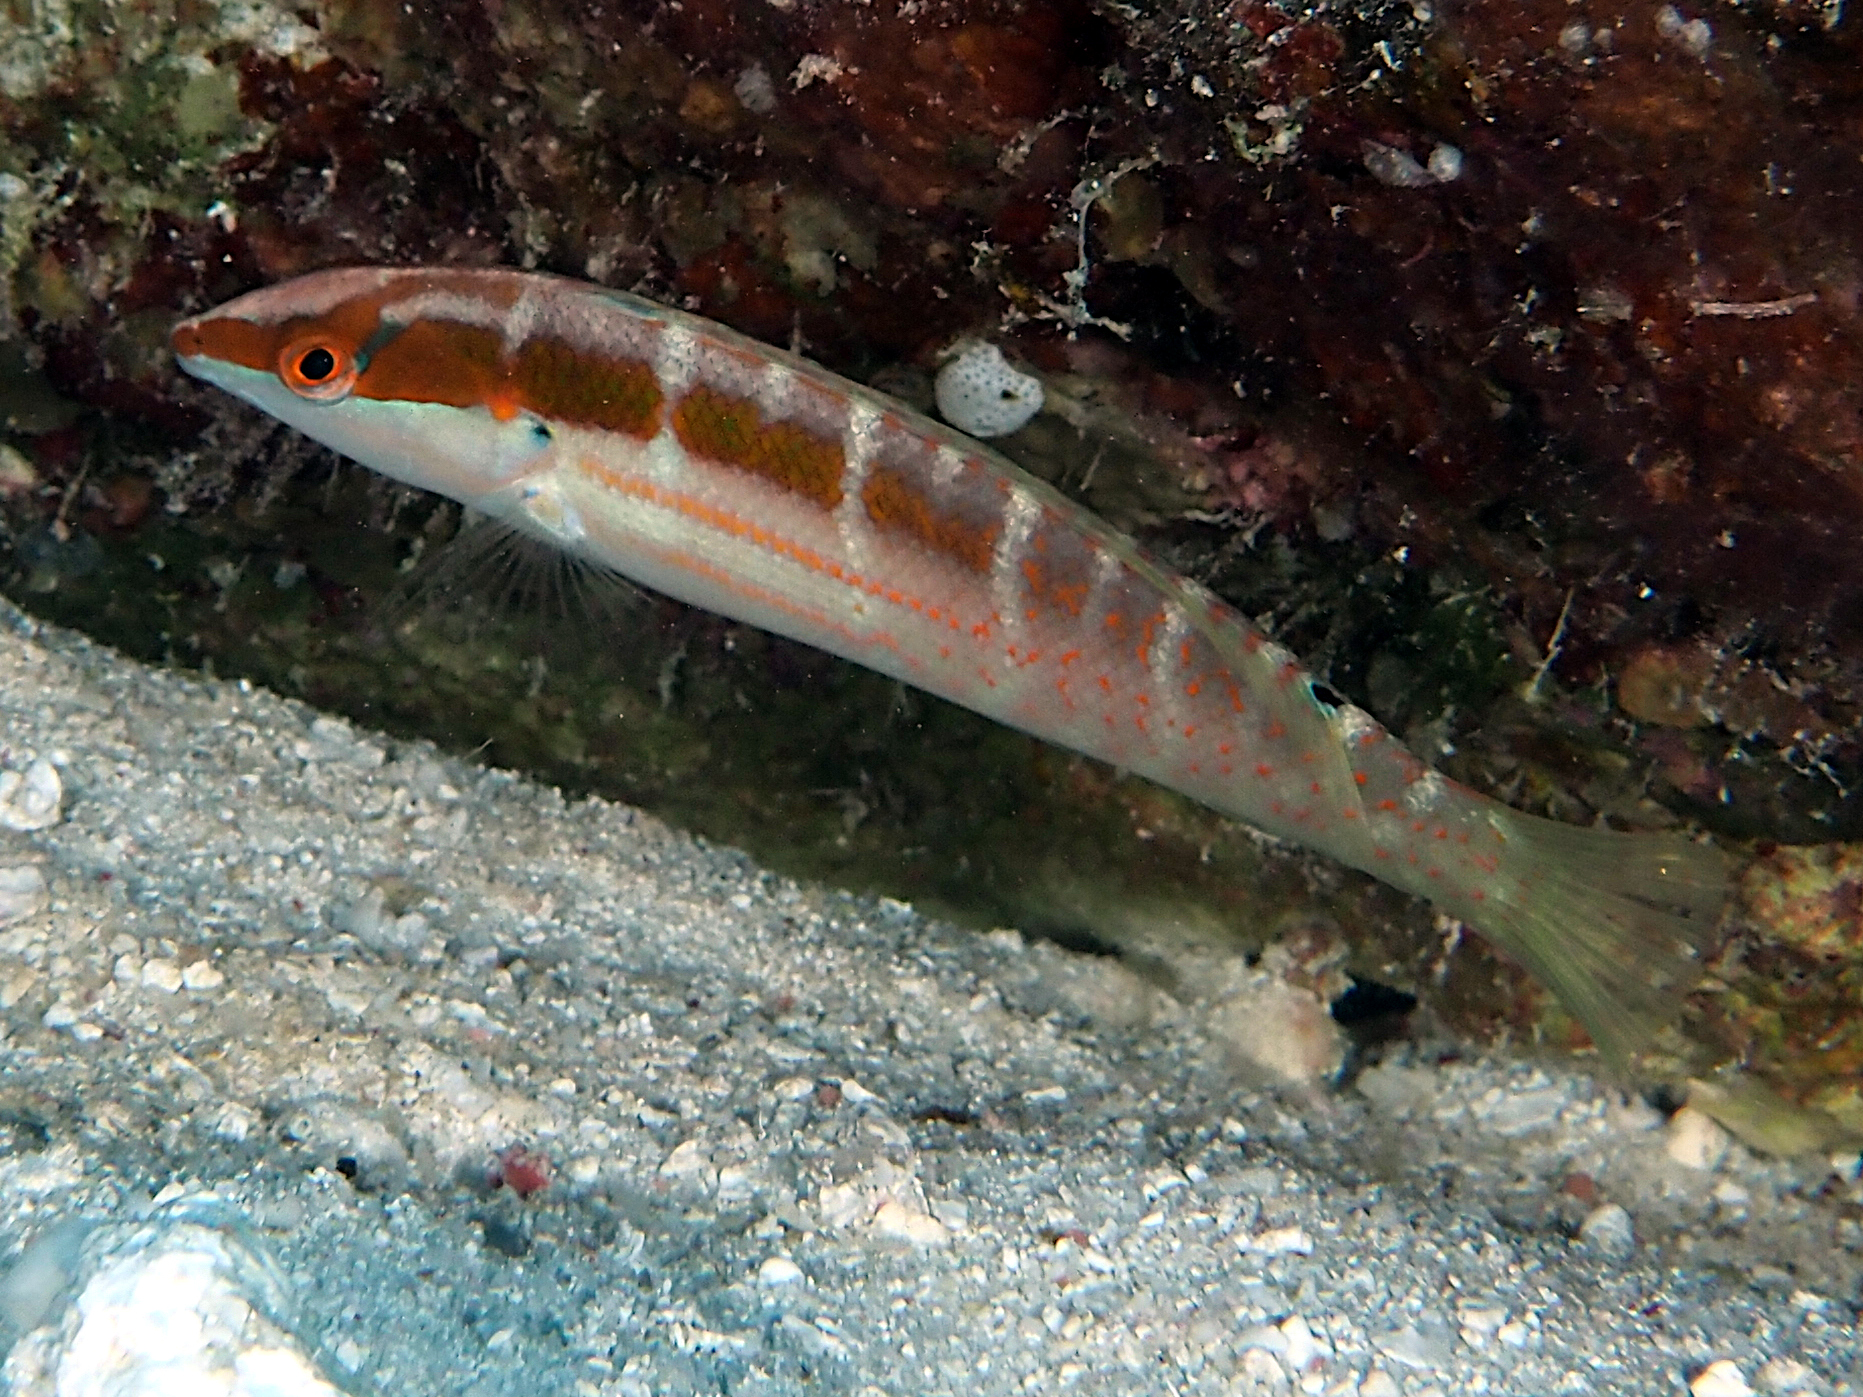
(1612, 923)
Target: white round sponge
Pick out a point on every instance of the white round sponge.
(979, 393)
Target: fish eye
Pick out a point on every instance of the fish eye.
(317, 368)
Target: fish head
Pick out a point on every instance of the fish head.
(405, 370)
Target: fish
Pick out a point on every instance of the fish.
(748, 481)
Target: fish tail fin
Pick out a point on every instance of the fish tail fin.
(1614, 924)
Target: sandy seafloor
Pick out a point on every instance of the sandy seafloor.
(272, 985)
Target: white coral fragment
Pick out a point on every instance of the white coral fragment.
(980, 394)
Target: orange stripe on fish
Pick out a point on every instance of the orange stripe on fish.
(741, 478)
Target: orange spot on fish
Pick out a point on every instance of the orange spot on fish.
(1262, 769)
(1193, 688)
(896, 504)
(1387, 804)
(731, 430)
(1106, 684)
(1277, 729)
(1314, 787)
(1360, 777)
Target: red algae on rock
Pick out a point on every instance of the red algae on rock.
(1811, 898)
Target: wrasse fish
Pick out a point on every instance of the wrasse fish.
(748, 481)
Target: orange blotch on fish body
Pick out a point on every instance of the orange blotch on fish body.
(570, 385)
(896, 505)
(731, 430)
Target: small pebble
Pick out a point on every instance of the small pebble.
(1379, 1383)
(778, 1270)
(1261, 1371)
(1302, 1347)
(1413, 1348)
(1721, 1378)
(895, 1220)
(22, 893)
(60, 1015)
(1608, 1231)
(1695, 1140)
(30, 799)
(202, 975)
(163, 975)
(1783, 1375)
(1278, 1241)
